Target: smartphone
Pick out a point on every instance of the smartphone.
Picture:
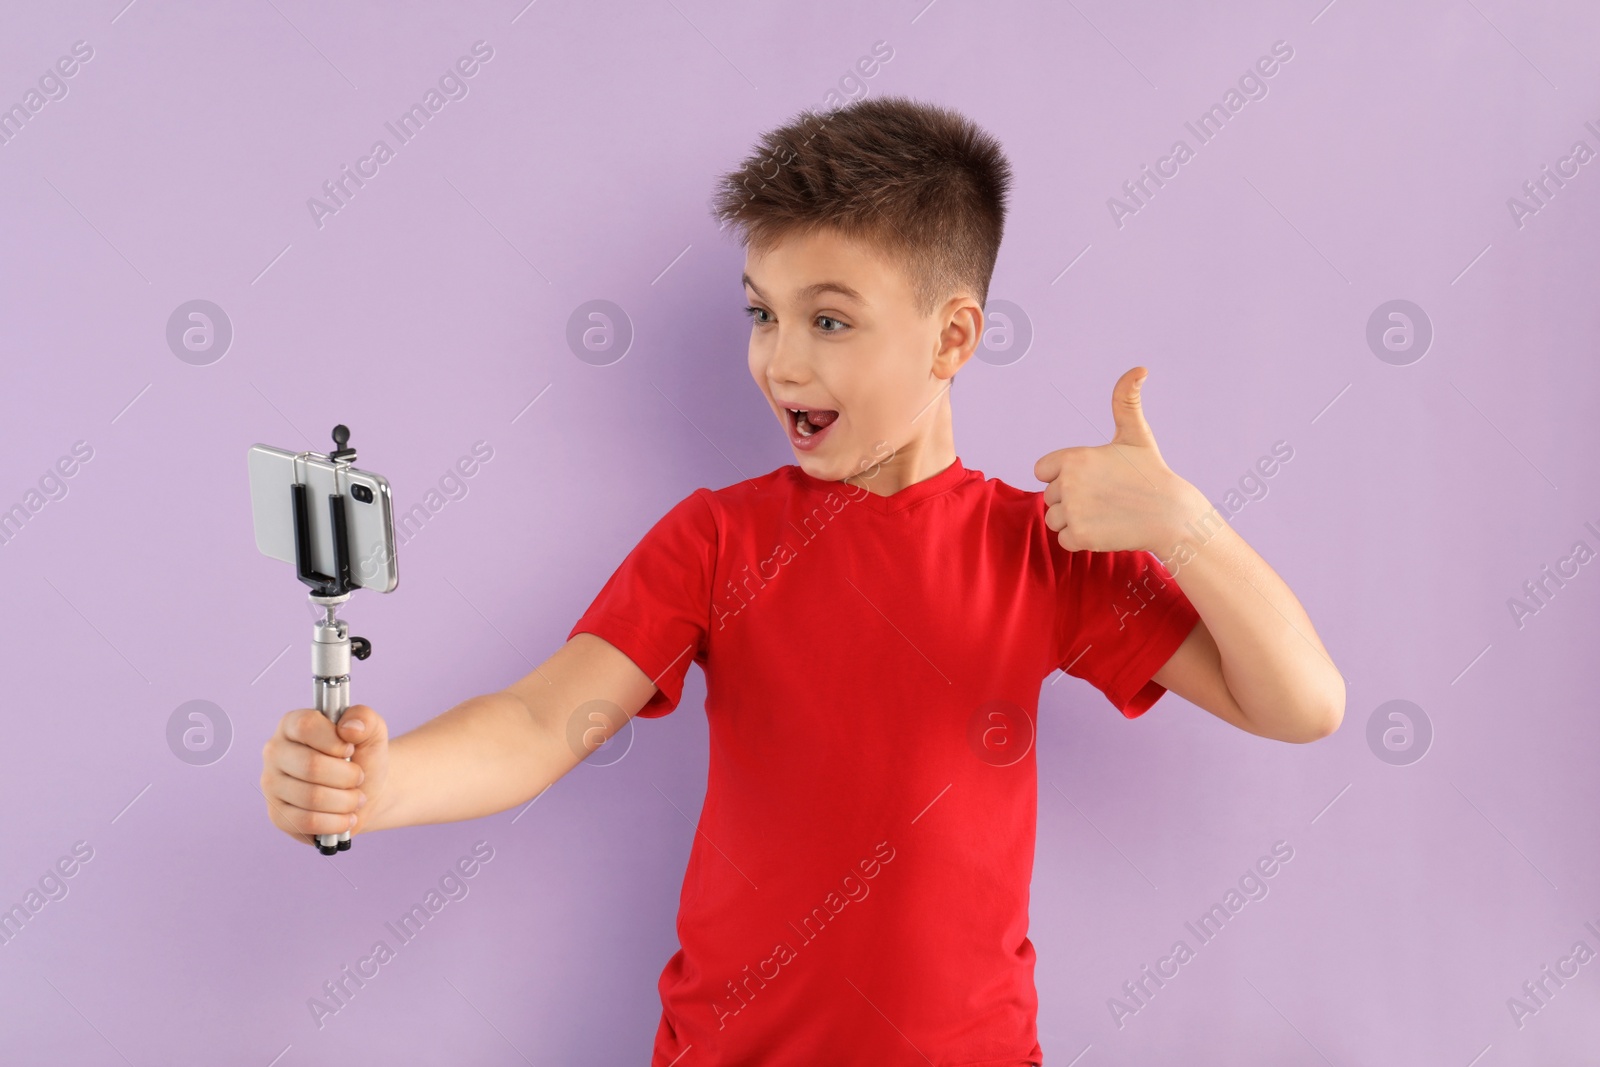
(368, 509)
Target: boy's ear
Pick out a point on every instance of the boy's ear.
(958, 340)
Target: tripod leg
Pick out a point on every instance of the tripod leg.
(333, 698)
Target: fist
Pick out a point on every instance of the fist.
(322, 779)
(1117, 496)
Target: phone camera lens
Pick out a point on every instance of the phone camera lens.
(361, 493)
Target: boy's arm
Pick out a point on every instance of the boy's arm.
(1253, 659)
(499, 750)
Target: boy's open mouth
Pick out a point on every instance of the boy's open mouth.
(807, 422)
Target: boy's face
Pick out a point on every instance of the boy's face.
(866, 356)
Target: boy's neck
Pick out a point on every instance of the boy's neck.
(916, 462)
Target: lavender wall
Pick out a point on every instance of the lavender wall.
(1431, 875)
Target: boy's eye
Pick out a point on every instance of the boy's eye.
(754, 314)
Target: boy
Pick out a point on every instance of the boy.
(874, 624)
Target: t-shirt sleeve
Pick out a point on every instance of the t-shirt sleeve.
(656, 606)
(1119, 617)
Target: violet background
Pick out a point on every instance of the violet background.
(433, 309)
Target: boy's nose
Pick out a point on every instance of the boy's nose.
(786, 366)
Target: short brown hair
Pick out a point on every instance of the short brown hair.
(920, 182)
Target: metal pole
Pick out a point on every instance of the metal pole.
(330, 670)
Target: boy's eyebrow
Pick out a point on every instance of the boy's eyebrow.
(815, 290)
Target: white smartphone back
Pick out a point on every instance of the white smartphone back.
(368, 509)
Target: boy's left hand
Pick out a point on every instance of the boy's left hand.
(1121, 495)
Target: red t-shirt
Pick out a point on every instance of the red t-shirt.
(857, 890)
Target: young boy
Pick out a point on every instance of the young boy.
(874, 624)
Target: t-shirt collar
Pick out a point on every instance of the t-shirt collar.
(907, 496)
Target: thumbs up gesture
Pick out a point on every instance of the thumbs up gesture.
(1121, 495)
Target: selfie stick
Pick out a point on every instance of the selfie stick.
(331, 643)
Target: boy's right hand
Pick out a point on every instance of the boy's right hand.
(310, 787)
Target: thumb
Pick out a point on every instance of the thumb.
(364, 728)
(1128, 412)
